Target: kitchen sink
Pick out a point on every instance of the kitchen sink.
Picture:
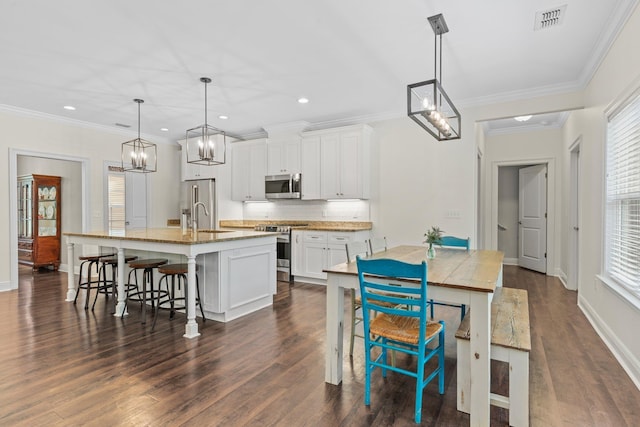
(206, 230)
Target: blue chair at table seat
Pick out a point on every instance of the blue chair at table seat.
(401, 323)
(453, 242)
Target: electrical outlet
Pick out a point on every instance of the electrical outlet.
(453, 213)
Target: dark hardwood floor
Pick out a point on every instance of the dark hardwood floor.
(61, 365)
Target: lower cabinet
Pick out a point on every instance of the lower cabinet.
(237, 282)
(314, 251)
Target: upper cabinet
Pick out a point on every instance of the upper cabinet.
(248, 169)
(310, 167)
(283, 155)
(344, 162)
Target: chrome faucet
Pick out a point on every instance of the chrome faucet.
(194, 208)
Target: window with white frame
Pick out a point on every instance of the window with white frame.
(622, 215)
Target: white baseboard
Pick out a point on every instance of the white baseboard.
(629, 362)
(6, 286)
(510, 261)
(563, 278)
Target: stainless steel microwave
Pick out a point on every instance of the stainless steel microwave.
(283, 186)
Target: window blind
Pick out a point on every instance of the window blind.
(622, 228)
(116, 185)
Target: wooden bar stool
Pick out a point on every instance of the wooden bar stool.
(147, 266)
(174, 271)
(107, 285)
(89, 262)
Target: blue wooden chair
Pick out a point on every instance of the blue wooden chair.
(453, 242)
(400, 323)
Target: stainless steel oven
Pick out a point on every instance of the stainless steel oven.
(283, 243)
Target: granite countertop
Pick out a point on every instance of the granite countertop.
(301, 224)
(176, 235)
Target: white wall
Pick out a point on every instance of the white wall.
(422, 183)
(612, 316)
(41, 135)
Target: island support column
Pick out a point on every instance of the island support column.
(191, 328)
(71, 278)
(121, 306)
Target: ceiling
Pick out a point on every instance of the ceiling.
(351, 59)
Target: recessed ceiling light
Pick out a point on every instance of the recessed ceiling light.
(69, 107)
(523, 118)
(303, 100)
(164, 129)
(223, 117)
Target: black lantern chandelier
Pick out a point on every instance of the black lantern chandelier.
(205, 144)
(139, 155)
(428, 103)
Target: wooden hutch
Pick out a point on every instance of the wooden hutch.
(39, 211)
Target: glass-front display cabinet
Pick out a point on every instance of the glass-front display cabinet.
(39, 212)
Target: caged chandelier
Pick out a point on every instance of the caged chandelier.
(205, 144)
(427, 102)
(139, 155)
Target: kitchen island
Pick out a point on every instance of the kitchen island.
(237, 269)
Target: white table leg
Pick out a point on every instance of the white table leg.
(463, 377)
(71, 278)
(480, 358)
(518, 388)
(191, 328)
(121, 307)
(335, 323)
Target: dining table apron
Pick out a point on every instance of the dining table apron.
(168, 241)
(455, 276)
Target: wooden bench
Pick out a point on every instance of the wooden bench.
(511, 343)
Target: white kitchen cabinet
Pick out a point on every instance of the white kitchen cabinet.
(297, 252)
(310, 167)
(345, 169)
(283, 156)
(248, 169)
(314, 251)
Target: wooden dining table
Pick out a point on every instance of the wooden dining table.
(454, 276)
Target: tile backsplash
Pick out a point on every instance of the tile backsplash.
(314, 210)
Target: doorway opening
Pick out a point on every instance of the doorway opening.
(75, 198)
(523, 214)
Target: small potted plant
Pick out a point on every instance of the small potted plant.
(433, 237)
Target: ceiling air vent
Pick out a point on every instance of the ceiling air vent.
(122, 125)
(549, 18)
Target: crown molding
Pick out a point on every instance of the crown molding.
(79, 123)
(615, 24)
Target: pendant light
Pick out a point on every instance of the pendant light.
(428, 103)
(139, 155)
(205, 144)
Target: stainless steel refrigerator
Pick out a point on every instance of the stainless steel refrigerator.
(205, 192)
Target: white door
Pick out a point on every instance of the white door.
(532, 253)
(135, 200)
